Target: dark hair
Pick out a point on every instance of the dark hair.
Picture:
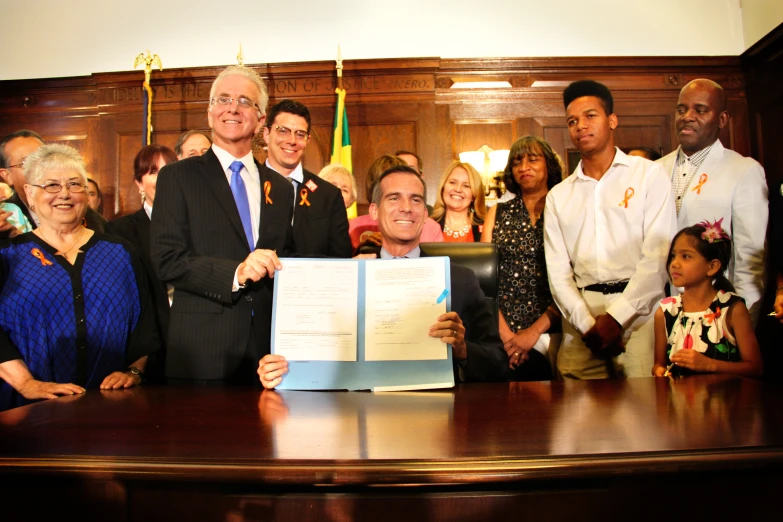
(377, 168)
(526, 146)
(589, 88)
(405, 169)
(24, 133)
(100, 194)
(146, 161)
(291, 107)
(184, 137)
(650, 154)
(409, 153)
(719, 249)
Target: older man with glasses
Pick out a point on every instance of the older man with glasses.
(320, 222)
(14, 149)
(219, 224)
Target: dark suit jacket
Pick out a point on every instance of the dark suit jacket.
(135, 228)
(321, 228)
(94, 220)
(197, 244)
(487, 360)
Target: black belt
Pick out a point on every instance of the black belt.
(607, 288)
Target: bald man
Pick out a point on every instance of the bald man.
(710, 182)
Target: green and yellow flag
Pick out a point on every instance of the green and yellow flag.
(341, 141)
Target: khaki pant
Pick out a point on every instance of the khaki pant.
(576, 361)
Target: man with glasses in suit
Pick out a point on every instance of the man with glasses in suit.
(219, 224)
(320, 222)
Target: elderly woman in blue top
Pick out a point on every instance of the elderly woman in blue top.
(73, 302)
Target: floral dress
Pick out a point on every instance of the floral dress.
(704, 332)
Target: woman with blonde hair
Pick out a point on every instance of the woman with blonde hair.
(459, 205)
(341, 177)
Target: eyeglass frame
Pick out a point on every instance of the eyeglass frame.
(287, 132)
(68, 186)
(19, 165)
(216, 101)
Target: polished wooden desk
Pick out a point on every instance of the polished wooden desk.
(641, 448)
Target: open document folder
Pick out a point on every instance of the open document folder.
(361, 324)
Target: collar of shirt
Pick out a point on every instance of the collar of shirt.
(148, 209)
(297, 174)
(413, 254)
(620, 158)
(226, 159)
(695, 159)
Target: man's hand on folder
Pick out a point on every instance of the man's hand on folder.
(271, 369)
(451, 331)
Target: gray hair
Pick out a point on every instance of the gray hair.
(51, 157)
(330, 172)
(250, 74)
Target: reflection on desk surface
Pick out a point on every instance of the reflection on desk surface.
(477, 421)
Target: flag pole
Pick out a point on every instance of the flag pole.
(148, 60)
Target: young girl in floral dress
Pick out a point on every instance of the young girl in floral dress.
(707, 328)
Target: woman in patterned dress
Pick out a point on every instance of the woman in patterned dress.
(459, 204)
(74, 308)
(528, 314)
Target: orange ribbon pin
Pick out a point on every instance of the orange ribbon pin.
(38, 254)
(628, 195)
(267, 190)
(702, 181)
(303, 195)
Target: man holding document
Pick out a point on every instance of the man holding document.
(398, 204)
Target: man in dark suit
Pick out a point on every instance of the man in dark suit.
(209, 210)
(320, 221)
(398, 204)
(14, 149)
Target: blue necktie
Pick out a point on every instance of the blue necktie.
(240, 196)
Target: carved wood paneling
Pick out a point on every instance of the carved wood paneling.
(391, 104)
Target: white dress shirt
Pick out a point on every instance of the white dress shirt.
(616, 229)
(252, 183)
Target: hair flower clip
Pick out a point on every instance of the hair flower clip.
(713, 231)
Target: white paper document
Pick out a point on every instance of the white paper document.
(316, 315)
(401, 303)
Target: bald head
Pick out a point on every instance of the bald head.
(701, 114)
(713, 88)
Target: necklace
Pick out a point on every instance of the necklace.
(73, 245)
(456, 233)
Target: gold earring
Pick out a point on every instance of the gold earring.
(143, 196)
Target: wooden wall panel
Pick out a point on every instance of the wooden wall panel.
(391, 104)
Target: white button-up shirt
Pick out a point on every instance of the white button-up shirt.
(615, 229)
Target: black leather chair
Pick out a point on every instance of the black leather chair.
(482, 258)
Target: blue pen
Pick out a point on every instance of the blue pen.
(442, 296)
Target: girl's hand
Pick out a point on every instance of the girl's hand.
(692, 360)
(659, 371)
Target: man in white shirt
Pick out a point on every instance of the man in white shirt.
(607, 229)
(711, 183)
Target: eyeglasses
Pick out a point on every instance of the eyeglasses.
(18, 165)
(74, 187)
(285, 132)
(242, 102)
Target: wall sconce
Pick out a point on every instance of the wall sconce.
(490, 164)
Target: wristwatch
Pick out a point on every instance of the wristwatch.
(135, 371)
